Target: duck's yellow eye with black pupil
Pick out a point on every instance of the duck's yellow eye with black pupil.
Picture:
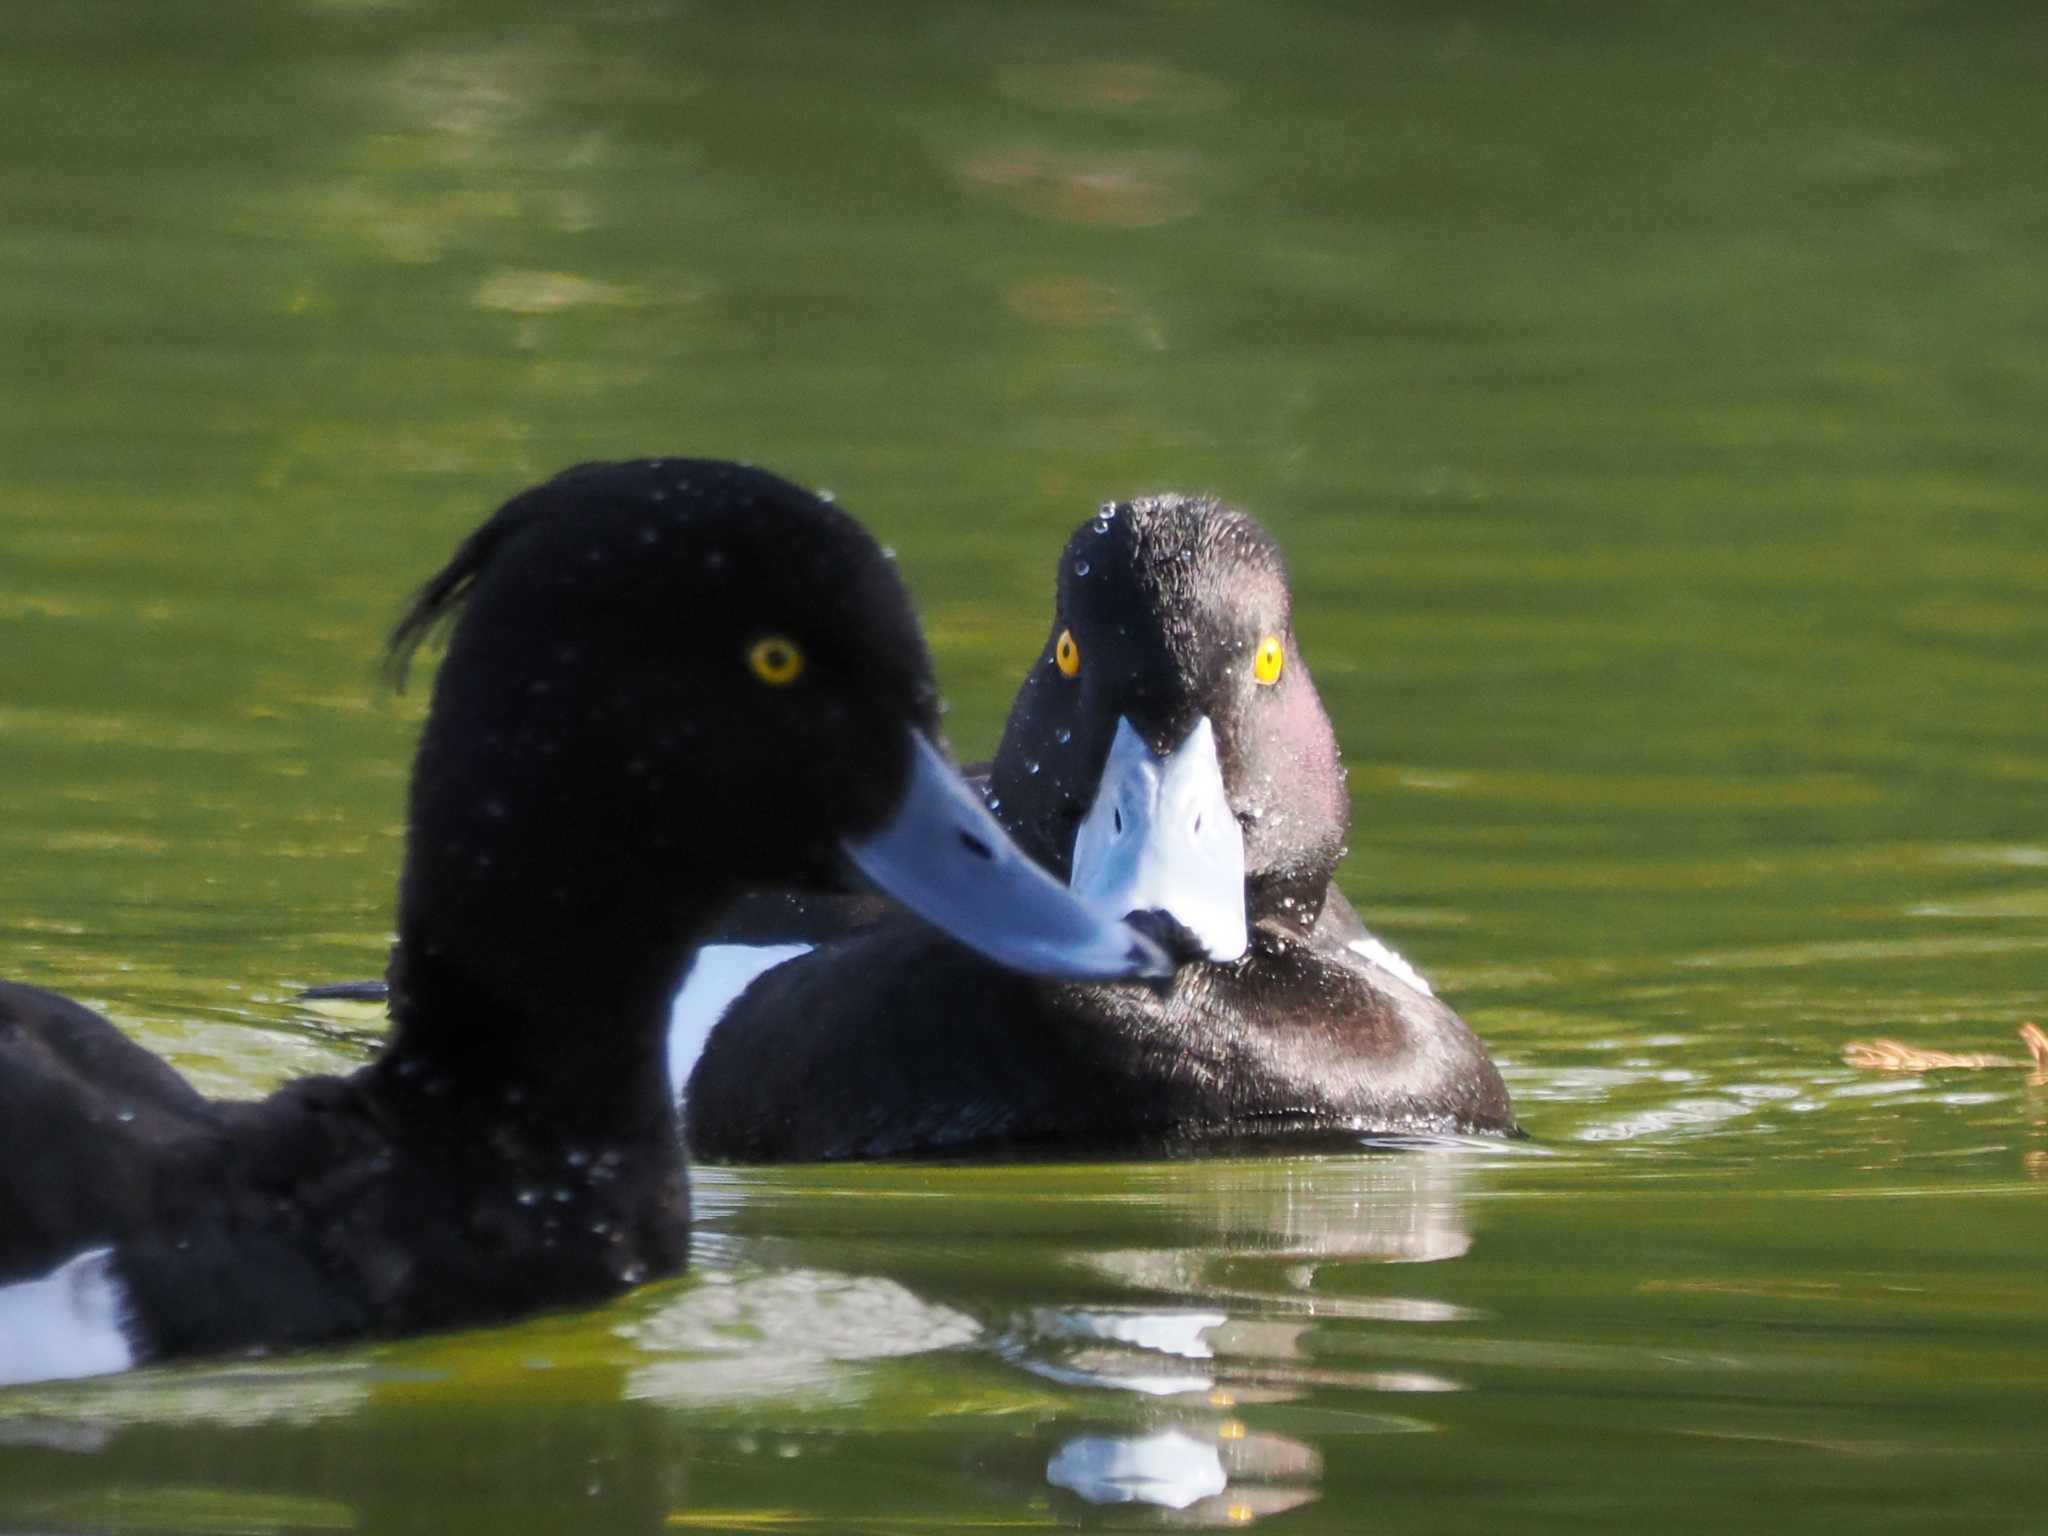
(1067, 655)
(777, 660)
(1270, 659)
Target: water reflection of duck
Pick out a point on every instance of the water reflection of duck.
(1242, 1296)
(1168, 752)
(1208, 1475)
(665, 680)
(1259, 1252)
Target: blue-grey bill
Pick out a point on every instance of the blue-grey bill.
(1161, 836)
(946, 858)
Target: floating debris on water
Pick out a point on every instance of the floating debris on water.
(1897, 1056)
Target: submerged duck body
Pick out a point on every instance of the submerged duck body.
(1167, 753)
(650, 667)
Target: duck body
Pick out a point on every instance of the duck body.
(1297, 1043)
(1166, 754)
(374, 1204)
(668, 682)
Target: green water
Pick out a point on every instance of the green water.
(1650, 399)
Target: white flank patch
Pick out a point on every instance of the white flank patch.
(1387, 960)
(719, 974)
(69, 1323)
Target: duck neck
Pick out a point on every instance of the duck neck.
(553, 1029)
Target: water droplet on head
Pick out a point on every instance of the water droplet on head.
(528, 1197)
(1101, 526)
(1031, 765)
(1063, 736)
(1080, 567)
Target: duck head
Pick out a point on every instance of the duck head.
(667, 681)
(1168, 751)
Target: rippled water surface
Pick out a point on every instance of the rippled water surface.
(1650, 399)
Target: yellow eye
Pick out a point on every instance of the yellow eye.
(1271, 658)
(1067, 654)
(777, 660)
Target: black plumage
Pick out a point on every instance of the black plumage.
(894, 1042)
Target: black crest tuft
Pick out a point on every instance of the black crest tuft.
(436, 604)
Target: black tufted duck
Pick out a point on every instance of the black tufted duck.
(666, 680)
(1167, 753)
